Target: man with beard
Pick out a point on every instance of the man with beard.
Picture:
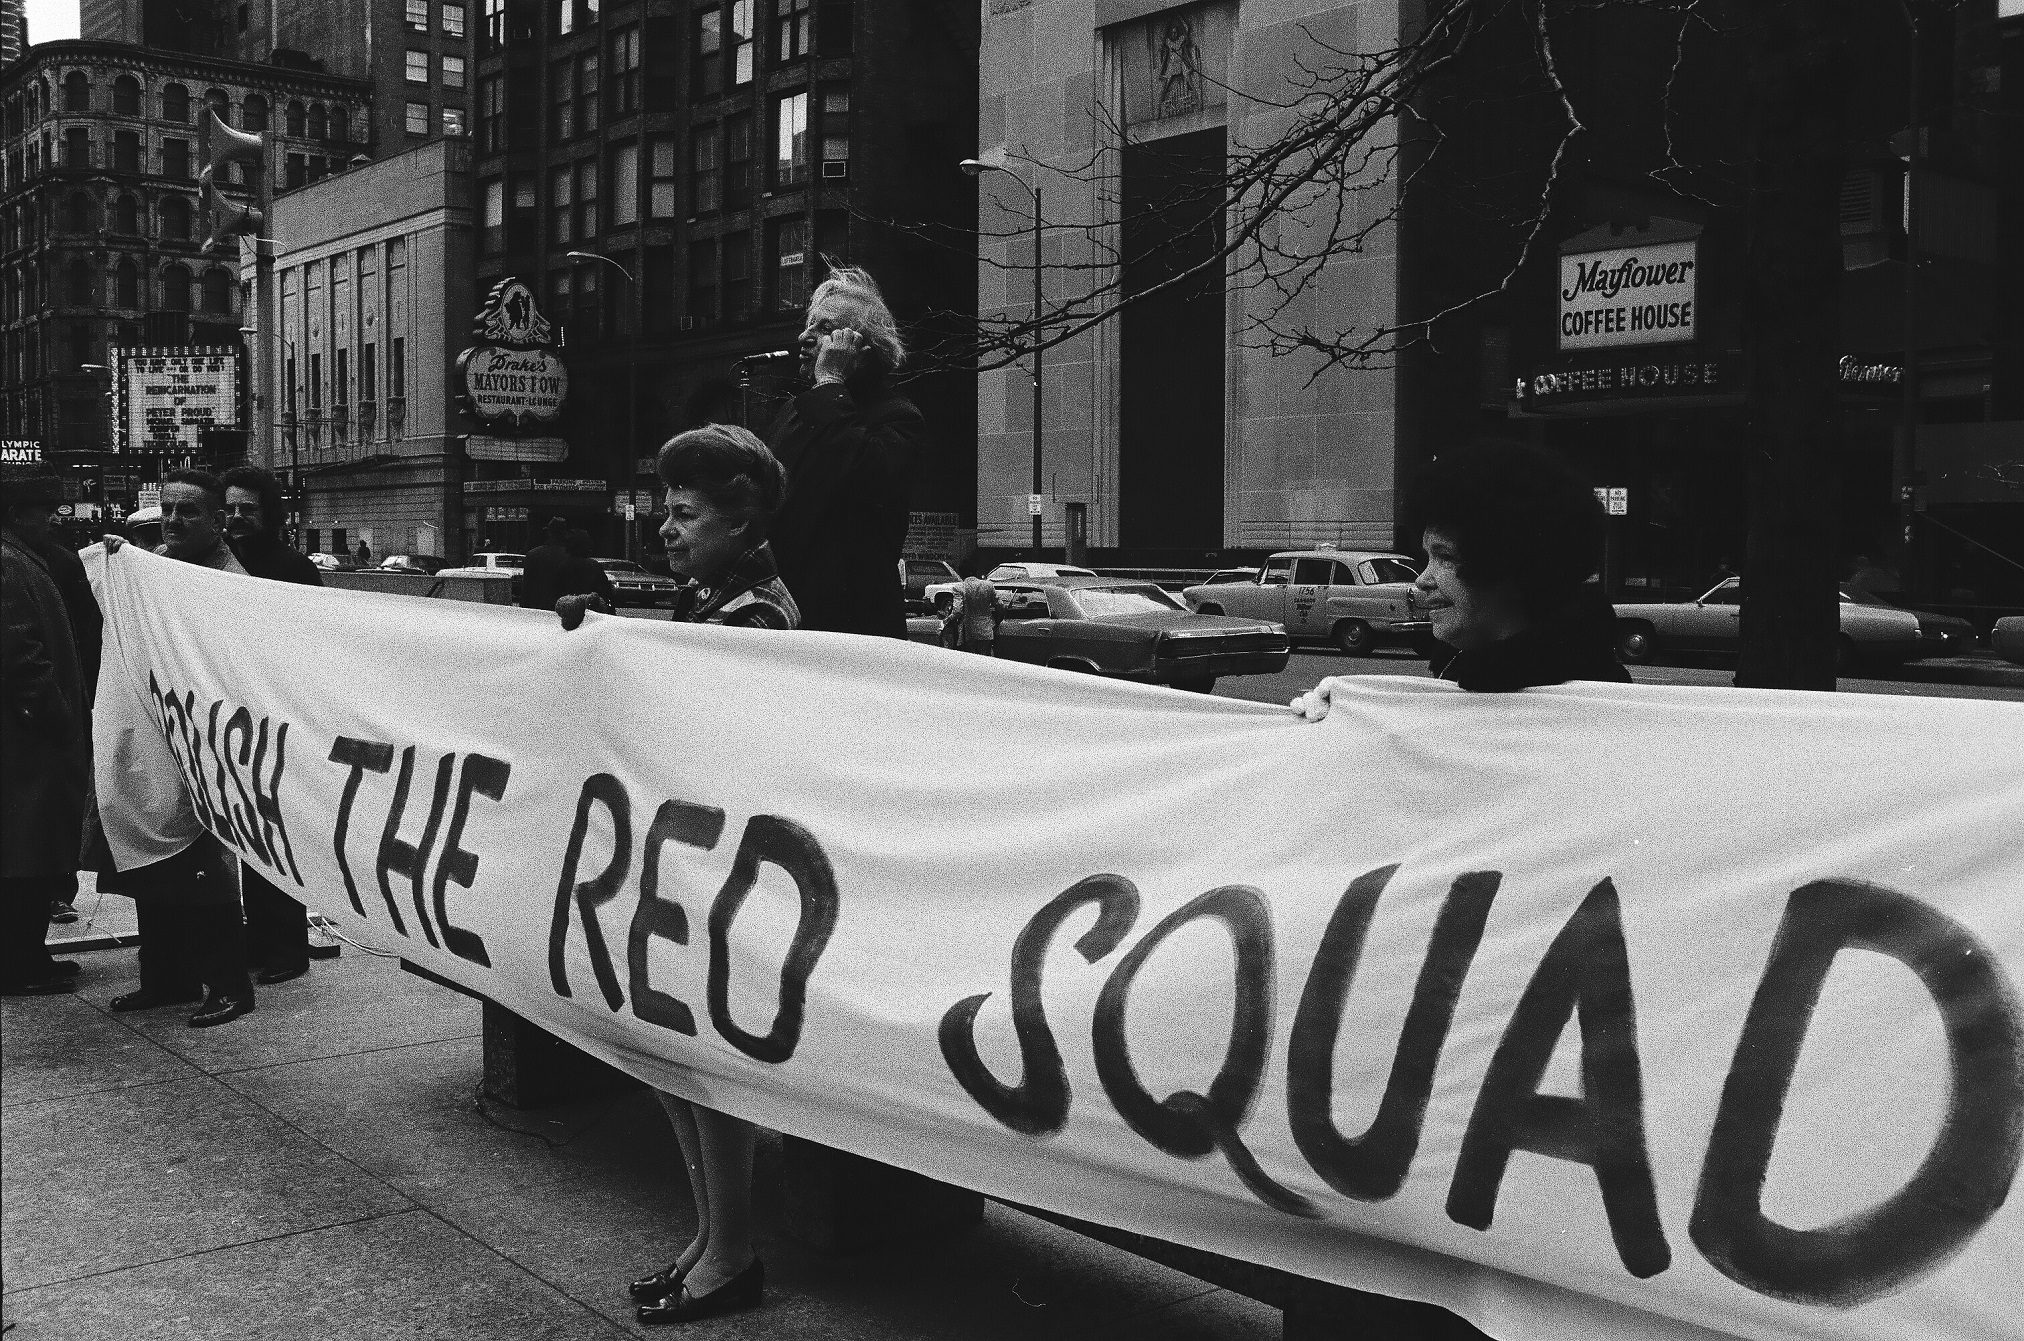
(193, 937)
(277, 927)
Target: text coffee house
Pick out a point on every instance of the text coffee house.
(1632, 369)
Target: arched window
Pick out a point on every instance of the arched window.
(176, 288)
(126, 96)
(126, 216)
(297, 120)
(253, 112)
(340, 125)
(80, 213)
(77, 284)
(127, 285)
(319, 123)
(175, 214)
(217, 101)
(217, 291)
(76, 92)
(175, 103)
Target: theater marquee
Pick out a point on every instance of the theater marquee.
(1629, 296)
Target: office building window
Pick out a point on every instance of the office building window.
(737, 249)
(418, 67)
(126, 151)
(175, 104)
(176, 159)
(127, 285)
(495, 24)
(453, 20)
(453, 72)
(661, 189)
(705, 181)
(298, 170)
(586, 198)
(790, 139)
(417, 118)
(77, 147)
(625, 71)
(658, 300)
(253, 112)
(453, 121)
(368, 373)
(835, 131)
(794, 24)
(126, 218)
(298, 121)
(709, 79)
(491, 114)
(703, 281)
(319, 119)
(561, 214)
(520, 226)
(176, 288)
(792, 264)
(561, 101)
(126, 96)
(397, 369)
(586, 317)
(418, 15)
(738, 38)
(565, 17)
(739, 155)
(586, 93)
(625, 185)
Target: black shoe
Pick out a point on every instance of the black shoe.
(61, 911)
(325, 951)
(652, 1289)
(65, 968)
(741, 1291)
(53, 985)
(146, 1000)
(221, 1010)
(268, 977)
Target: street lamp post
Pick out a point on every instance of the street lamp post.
(632, 435)
(976, 167)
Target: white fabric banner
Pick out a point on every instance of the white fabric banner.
(1589, 1012)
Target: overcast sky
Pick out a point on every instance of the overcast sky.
(51, 20)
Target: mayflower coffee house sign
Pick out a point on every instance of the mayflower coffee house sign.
(514, 382)
(1628, 295)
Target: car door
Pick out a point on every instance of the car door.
(1715, 622)
(1307, 598)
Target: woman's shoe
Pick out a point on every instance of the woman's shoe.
(741, 1291)
(652, 1289)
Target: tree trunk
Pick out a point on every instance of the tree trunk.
(1791, 333)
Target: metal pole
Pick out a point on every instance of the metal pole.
(1037, 365)
(1904, 463)
(632, 530)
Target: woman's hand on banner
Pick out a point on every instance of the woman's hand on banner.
(113, 542)
(570, 609)
(1313, 705)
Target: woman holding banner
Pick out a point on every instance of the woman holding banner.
(724, 488)
(1512, 538)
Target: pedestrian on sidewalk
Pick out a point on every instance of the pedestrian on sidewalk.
(849, 445)
(724, 490)
(44, 747)
(277, 926)
(542, 572)
(192, 933)
(980, 615)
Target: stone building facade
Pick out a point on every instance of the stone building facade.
(363, 310)
(102, 225)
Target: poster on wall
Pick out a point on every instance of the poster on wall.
(165, 399)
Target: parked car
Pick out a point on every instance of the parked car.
(428, 565)
(1356, 599)
(1131, 631)
(491, 563)
(1035, 572)
(334, 563)
(636, 586)
(1872, 629)
(2007, 637)
(917, 574)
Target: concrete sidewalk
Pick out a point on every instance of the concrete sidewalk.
(324, 1169)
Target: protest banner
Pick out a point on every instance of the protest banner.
(1589, 1012)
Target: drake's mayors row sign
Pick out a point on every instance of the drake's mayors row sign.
(1628, 296)
(1591, 1012)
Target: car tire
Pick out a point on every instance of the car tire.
(1353, 638)
(1636, 644)
(1200, 684)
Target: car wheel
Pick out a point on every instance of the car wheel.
(1200, 684)
(1636, 644)
(1354, 638)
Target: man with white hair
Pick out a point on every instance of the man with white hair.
(849, 444)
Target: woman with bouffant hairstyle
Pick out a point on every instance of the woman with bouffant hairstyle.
(724, 488)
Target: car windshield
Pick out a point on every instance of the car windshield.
(1110, 602)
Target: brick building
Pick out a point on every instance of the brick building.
(102, 227)
(716, 151)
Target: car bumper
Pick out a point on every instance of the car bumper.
(1213, 665)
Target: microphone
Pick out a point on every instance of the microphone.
(771, 356)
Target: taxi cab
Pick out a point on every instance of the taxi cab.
(1357, 600)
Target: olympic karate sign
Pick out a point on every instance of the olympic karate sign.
(1590, 1012)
